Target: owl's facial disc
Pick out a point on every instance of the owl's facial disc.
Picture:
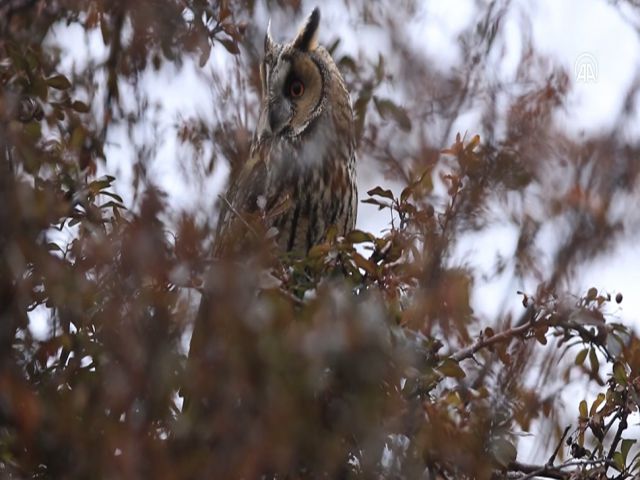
(292, 82)
(294, 93)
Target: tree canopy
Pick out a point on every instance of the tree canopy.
(365, 359)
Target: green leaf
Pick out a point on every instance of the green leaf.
(593, 361)
(77, 137)
(618, 461)
(625, 447)
(360, 110)
(80, 107)
(117, 198)
(59, 82)
(358, 236)
(347, 63)
(332, 48)
(51, 246)
(619, 373)
(380, 68)
(386, 109)
(451, 368)
(596, 403)
(406, 193)
(112, 204)
(583, 409)
(581, 356)
(503, 452)
(39, 87)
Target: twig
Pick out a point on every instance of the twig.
(552, 458)
(484, 342)
(522, 329)
(558, 472)
(531, 471)
(622, 426)
(237, 214)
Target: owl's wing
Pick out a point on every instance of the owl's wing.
(255, 191)
(239, 202)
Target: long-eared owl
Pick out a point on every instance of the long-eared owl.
(300, 175)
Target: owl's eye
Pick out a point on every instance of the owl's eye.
(296, 88)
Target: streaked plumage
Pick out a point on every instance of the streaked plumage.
(301, 170)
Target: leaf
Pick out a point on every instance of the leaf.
(451, 368)
(619, 373)
(358, 236)
(596, 403)
(34, 130)
(473, 143)
(347, 63)
(380, 192)
(378, 203)
(592, 294)
(77, 137)
(319, 250)
(367, 265)
(80, 107)
(51, 246)
(332, 48)
(204, 56)
(386, 108)
(230, 45)
(117, 198)
(40, 88)
(618, 461)
(380, 68)
(59, 82)
(105, 30)
(224, 12)
(581, 356)
(100, 184)
(625, 447)
(503, 452)
(593, 361)
(360, 110)
(407, 192)
(540, 334)
(583, 409)
(112, 204)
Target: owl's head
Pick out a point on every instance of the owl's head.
(296, 78)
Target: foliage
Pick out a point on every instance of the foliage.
(364, 359)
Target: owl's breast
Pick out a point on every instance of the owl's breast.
(323, 193)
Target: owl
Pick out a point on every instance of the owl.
(300, 174)
(299, 178)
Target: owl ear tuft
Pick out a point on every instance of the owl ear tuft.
(307, 38)
(268, 39)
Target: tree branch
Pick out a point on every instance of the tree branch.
(484, 342)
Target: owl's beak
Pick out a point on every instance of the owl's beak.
(278, 116)
(264, 127)
(273, 119)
